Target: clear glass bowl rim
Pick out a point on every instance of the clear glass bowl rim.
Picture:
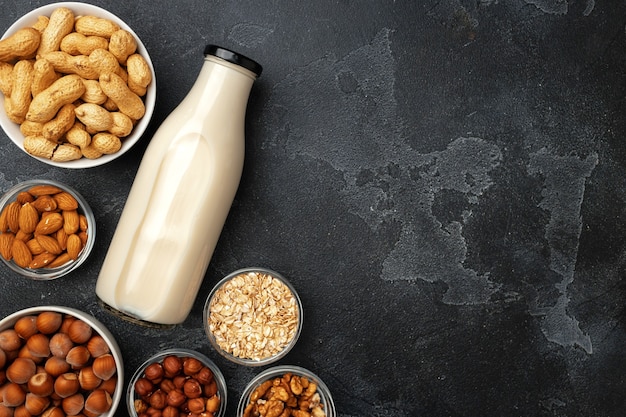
(251, 362)
(44, 274)
(217, 373)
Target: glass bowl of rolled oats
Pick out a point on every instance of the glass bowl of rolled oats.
(253, 316)
(286, 387)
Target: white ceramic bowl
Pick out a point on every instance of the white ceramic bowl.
(9, 321)
(12, 130)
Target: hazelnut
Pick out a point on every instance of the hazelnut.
(38, 345)
(167, 385)
(21, 370)
(24, 352)
(5, 411)
(13, 395)
(80, 331)
(78, 356)
(98, 402)
(56, 366)
(205, 375)
(97, 346)
(66, 384)
(66, 323)
(88, 379)
(158, 400)
(179, 381)
(41, 384)
(104, 366)
(109, 385)
(21, 411)
(35, 404)
(172, 366)
(73, 404)
(53, 412)
(196, 405)
(191, 366)
(192, 388)
(60, 345)
(143, 387)
(26, 326)
(49, 322)
(154, 372)
(210, 389)
(176, 398)
(213, 404)
(3, 358)
(170, 411)
(9, 340)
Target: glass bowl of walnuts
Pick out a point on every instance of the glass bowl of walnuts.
(286, 387)
(177, 382)
(47, 229)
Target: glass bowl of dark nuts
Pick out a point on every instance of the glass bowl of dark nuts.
(47, 229)
(177, 382)
(59, 361)
(283, 389)
(253, 316)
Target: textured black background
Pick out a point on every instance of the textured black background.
(442, 181)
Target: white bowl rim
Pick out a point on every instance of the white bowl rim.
(12, 130)
(96, 325)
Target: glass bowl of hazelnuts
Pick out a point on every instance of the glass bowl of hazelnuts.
(58, 361)
(177, 382)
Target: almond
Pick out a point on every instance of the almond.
(45, 203)
(23, 236)
(71, 221)
(6, 243)
(24, 197)
(65, 201)
(42, 260)
(74, 246)
(49, 244)
(4, 226)
(60, 260)
(34, 247)
(13, 216)
(28, 218)
(62, 238)
(21, 254)
(44, 189)
(49, 224)
(82, 221)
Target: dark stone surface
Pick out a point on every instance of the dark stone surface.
(442, 181)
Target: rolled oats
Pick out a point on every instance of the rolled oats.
(253, 316)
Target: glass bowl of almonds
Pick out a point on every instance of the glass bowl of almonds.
(78, 85)
(177, 382)
(253, 316)
(47, 229)
(59, 361)
(286, 387)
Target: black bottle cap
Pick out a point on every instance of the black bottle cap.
(234, 57)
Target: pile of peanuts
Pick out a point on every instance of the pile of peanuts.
(74, 84)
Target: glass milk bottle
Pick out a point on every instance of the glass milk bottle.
(180, 198)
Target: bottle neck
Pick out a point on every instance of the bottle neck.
(224, 83)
